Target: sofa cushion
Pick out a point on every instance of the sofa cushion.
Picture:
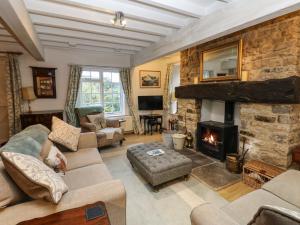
(243, 209)
(64, 134)
(83, 157)
(272, 215)
(56, 160)
(86, 176)
(34, 177)
(10, 194)
(286, 186)
(38, 132)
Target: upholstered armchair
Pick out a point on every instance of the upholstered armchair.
(103, 138)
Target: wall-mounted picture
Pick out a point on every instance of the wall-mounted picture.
(149, 79)
(44, 82)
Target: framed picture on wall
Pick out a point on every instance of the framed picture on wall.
(150, 79)
(44, 82)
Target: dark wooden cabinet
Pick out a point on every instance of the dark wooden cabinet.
(40, 117)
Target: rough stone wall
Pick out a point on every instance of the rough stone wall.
(270, 51)
(189, 112)
(271, 131)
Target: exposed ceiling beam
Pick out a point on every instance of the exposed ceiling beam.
(77, 41)
(233, 17)
(60, 46)
(4, 33)
(53, 9)
(183, 7)
(83, 35)
(90, 28)
(15, 17)
(130, 10)
(7, 39)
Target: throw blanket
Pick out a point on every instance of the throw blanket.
(110, 131)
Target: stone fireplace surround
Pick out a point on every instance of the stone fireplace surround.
(270, 51)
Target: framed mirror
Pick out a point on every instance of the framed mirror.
(221, 63)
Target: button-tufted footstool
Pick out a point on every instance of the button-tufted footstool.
(158, 169)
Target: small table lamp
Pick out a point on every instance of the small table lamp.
(28, 95)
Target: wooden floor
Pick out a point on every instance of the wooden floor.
(235, 191)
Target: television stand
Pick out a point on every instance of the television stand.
(146, 117)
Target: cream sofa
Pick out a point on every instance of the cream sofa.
(282, 191)
(89, 181)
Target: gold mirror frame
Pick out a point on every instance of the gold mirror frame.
(238, 66)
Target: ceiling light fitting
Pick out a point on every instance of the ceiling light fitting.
(119, 19)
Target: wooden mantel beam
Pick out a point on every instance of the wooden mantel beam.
(15, 17)
(275, 91)
(235, 16)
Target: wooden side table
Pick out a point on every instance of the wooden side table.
(75, 216)
(40, 117)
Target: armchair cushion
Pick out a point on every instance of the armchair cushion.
(98, 120)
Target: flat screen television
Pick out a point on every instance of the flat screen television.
(150, 102)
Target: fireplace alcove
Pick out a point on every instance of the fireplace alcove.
(217, 139)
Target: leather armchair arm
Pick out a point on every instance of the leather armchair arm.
(87, 127)
(112, 123)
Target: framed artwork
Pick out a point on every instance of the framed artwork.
(44, 82)
(149, 79)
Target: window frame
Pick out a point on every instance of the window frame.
(101, 82)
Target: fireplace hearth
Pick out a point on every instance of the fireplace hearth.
(217, 139)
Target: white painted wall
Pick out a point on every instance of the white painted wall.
(157, 65)
(214, 110)
(61, 59)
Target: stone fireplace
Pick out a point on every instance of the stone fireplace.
(271, 130)
(216, 138)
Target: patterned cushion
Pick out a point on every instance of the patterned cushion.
(56, 160)
(64, 134)
(34, 177)
(10, 193)
(98, 120)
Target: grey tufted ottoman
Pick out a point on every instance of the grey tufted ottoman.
(158, 169)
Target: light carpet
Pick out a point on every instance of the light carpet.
(173, 203)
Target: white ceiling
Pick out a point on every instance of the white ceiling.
(85, 24)
(155, 28)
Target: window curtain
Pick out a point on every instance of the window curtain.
(73, 88)
(126, 83)
(14, 96)
(167, 94)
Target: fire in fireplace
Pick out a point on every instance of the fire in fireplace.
(217, 139)
(210, 138)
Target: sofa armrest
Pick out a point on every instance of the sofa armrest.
(87, 140)
(208, 214)
(112, 193)
(88, 127)
(112, 123)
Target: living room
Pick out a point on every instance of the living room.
(149, 112)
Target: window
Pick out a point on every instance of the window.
(101, 87)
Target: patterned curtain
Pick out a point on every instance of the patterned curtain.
(14, 96)
(167, 91)
(126, 83)
(73, 88)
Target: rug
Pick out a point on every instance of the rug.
(215, 175)
(198, 158)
